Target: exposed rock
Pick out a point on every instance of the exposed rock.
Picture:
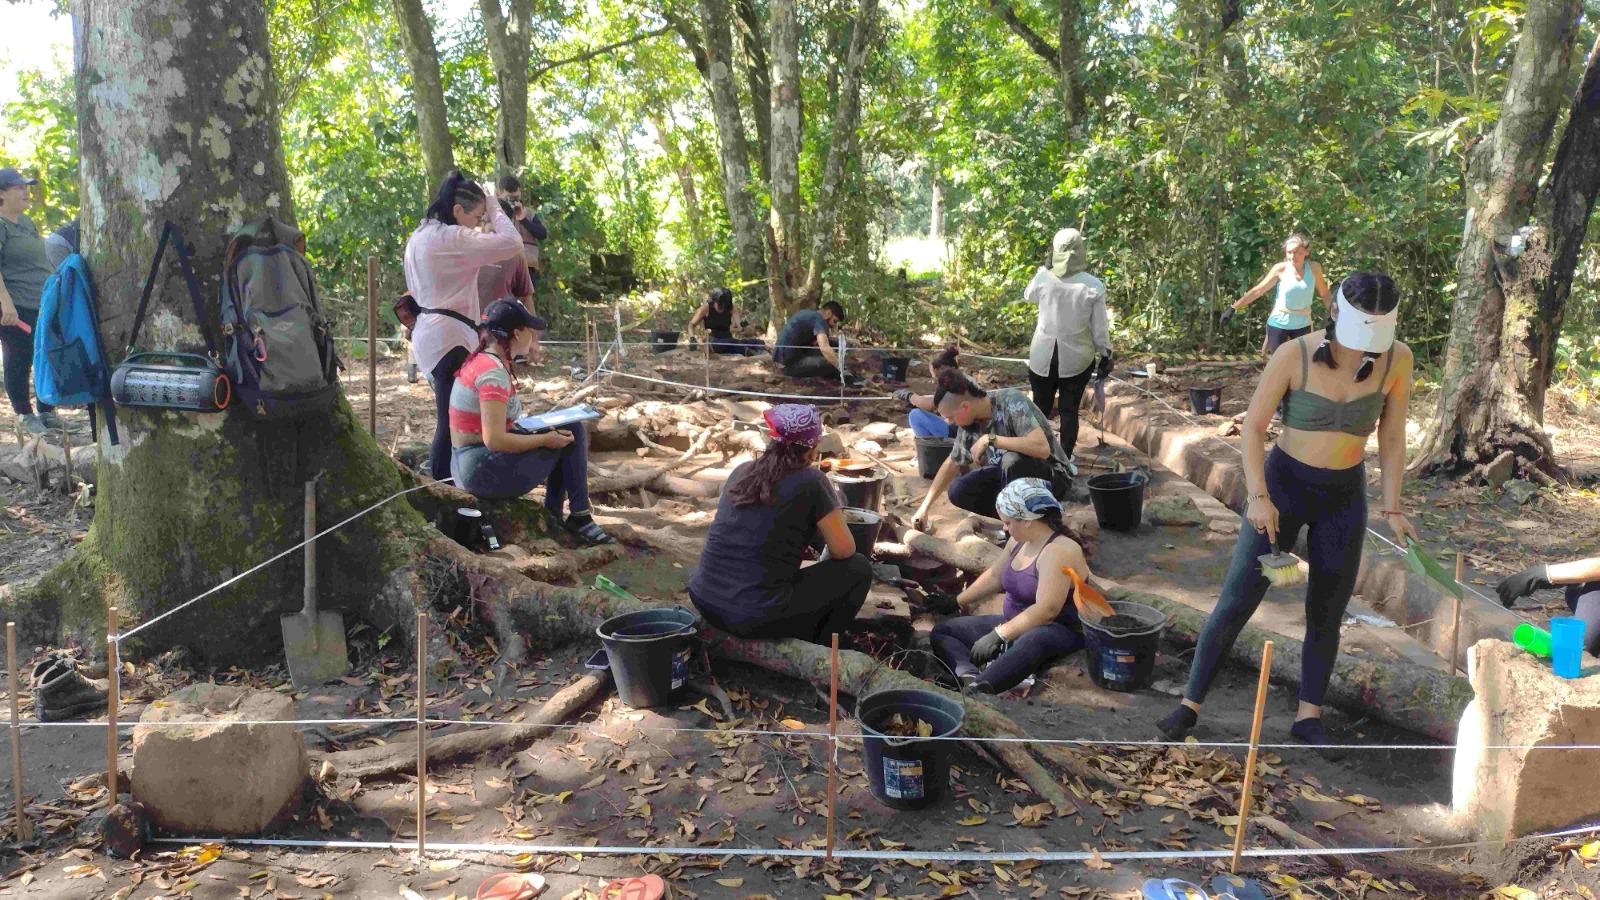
(1174, 509)
(125, 829)
(215, 776)
(1521, 706)
(1521, 490)
(882, 432)
(1500, 470)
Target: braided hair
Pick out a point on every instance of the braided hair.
(457, 189)
(1372, 292)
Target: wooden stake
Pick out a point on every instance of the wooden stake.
(833, 739)
(591, 358)
(24, 827)
(372, 344)
(841, 368)
(1250, 757)
(1455, 619)
(707, 349)
(113, 693)
(422, 733)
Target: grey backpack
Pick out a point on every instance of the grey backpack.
(278, 347)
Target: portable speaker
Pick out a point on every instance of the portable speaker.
(192, 382)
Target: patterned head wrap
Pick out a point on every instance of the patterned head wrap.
(795, 423)
(1026, 498)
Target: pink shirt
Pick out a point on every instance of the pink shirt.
(442, 263)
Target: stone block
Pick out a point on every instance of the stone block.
(1175, 509)
(212, 775)
(881, 432)
(1521, 705)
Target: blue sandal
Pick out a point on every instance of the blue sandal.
(590, 533)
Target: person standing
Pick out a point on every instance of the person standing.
(443, 257)
(530, 229)
(24, 267)
(1356, 381)
(1296, 276)
(1072, 338)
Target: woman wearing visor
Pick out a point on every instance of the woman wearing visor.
(1335, 389)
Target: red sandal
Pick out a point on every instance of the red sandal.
(511, 886)
(642, 887)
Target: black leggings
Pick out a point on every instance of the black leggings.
(1038, 646)
(825, 600)
(976, 490)
(1584, 601)
(1332, 504)
(1045, 389)
(444, 379)
(809, 364)
(18, 348)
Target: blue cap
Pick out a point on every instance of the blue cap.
(10, 178)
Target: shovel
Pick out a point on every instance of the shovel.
(313, 642)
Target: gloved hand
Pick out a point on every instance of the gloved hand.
(1102, 366)
(1522, 584)
(987, 648)
(903, 395)
(1226, 317)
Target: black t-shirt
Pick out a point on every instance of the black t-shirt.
(719, 321)
(752, 553)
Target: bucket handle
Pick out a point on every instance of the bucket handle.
(866, 686)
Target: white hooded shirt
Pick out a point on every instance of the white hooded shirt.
(1073, 323)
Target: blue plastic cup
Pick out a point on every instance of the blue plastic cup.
(1566, 645)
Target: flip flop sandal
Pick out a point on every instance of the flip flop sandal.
(510, 886)
(642, 887)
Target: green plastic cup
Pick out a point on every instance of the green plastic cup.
(1533, 639)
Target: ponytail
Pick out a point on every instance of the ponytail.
(457, 189)
(946, 359)
(1052, 517)
(760, 480)
(1372, 292)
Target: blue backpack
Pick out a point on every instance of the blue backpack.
(69, 366)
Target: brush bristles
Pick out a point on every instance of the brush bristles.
(1278, 576)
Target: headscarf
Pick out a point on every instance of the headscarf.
(1026, 499)
(794, 423)
(1068, 255)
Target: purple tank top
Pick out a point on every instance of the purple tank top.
(1022, 588)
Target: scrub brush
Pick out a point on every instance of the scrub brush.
(1281, 568)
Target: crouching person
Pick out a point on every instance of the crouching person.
(749, 581)
(490, 457)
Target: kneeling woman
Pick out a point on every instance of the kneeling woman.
(992, 654)
(1314, 477)
(749, 581)
(489, 458)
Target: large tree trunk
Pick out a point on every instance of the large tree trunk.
(936, 211)
(841, 148)
(178, 121)
(509, 36)
(427, 89)
(1565, 205)
(733, 149)
(1482, 408)
(685, 173)
(1069, 60)
(784, 229)
(753, 46)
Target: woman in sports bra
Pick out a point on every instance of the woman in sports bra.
(993, 654)
(1335, 389)
(1296, 276)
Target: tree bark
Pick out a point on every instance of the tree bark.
(936, 213)
(509, 34)
(734, 150)
(178, 121)
(753, 45)
(1565, 205)
(1483, 407)
(1065, 58)
(784, 185)
(686, 184)
(427, 89)
(841, 148)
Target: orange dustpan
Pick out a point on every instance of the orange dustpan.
(1086, 596)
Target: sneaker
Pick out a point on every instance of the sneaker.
(34, 424)
(51, 420)
(1178, 723)
(1072, 466)
(1310, 732)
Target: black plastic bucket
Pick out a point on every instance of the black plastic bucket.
(1124, 659)
(908, 772)
(1118, 499)
(862, 491)
(931, 454)
(662, 341)
(649, 653)
(864, 525)
(894, 367)
(1205, 400)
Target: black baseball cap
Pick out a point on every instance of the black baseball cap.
(506, 316)
(10, 178)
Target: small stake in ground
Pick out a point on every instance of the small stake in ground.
(833, 736)
(422, 733)
(24, 828)
(1455, 620)
(372, 344)
(113, 692)
(1250, 758)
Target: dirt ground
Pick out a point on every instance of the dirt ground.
(618, 777)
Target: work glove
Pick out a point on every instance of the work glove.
(987, 648)
(1522, 584)
(903, 395)
(1102, 366)
(1226, 317)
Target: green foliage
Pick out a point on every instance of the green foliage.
(38, 135)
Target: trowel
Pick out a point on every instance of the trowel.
(313, 642)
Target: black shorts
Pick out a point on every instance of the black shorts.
(1277, 337)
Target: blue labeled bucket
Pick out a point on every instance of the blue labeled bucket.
(1124, 659)
(649, 652)
(908, 772)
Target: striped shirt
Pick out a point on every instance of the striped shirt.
(482, 377)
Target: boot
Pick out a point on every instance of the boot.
(62, 693)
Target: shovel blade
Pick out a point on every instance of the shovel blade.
(314, 647)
